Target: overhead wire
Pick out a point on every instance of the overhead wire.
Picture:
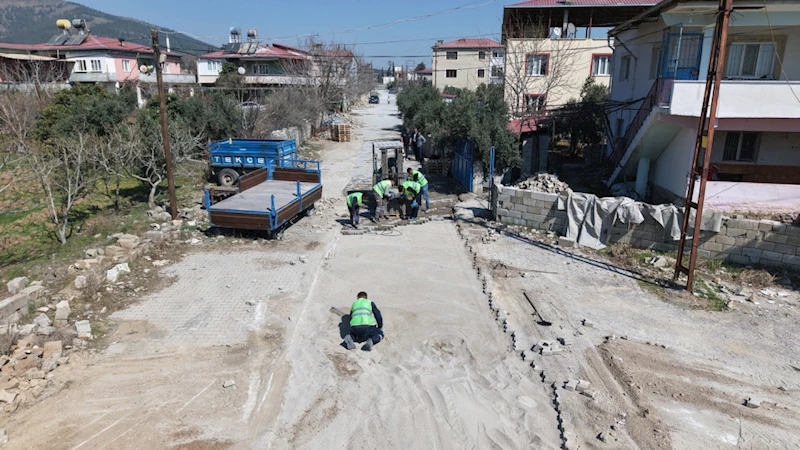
(777, 56)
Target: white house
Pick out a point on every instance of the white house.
(660, 63)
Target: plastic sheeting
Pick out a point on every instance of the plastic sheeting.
(590, 219)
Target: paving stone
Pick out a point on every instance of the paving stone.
(42, 320)
(588, 323)
(582, 385)
(16, 285)
(84, 329)
(552, 351)
(753, 402)
(62, 310)
(571, 385)
(7, 397)
(228, 384)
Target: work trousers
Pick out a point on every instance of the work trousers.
(354, 213)
(380, 205)
(424, 193)
(361, 333)
(410, 210)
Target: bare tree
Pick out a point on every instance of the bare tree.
(40, 75)
(18, 112)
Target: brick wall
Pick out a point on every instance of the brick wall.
(739, 241)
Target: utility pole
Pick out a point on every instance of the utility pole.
(704, 143)
(162, 109)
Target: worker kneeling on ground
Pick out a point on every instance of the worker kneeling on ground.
(354, 202)
(382, 192)
(411, 191)
(366, 324)
(416, 175)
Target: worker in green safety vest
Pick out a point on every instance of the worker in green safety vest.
(354, 202)
(416, 175)
(366, 324)
(382, 192)
(411, 191)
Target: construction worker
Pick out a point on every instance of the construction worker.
(416, 175)
(366, 324)
(412, 194)
(382, 192)
(354, 202)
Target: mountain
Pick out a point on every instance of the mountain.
(34, 21)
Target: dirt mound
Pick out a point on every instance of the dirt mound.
(543, 182)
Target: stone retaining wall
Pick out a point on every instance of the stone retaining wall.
(739, 241)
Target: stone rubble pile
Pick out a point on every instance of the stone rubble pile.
(26, 372)
(543, 182)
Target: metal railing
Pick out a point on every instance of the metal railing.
(658, 95)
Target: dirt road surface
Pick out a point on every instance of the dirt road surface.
(240, 349)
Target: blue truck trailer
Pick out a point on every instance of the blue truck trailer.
(267, 199)
(232, 158)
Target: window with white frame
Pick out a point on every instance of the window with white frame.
(80, 65)
(751, 60)
(96, 65)
(534, 103)
(260, 69)
(497, 54)
(655, 59)
(452, 55)
(165, 68)
(537, 65)
(126, 65)
(601, 65)
(741, 146)
(625, 67)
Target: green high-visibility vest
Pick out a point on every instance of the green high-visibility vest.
(361, 313)
(381, 187)
(355, 198)
(413, 185)
(420, 178)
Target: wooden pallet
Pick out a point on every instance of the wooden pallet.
(341, 132)
(438, 166)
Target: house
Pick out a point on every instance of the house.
(421, 74)
(101, 60)
(467, 63)
(661, 69)
(553, 46)
(260, 64)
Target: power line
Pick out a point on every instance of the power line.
(777, 56)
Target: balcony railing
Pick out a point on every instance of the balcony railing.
(169, 78)
(659, 95)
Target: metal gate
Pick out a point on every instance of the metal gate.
(463, 165)
(680, 55)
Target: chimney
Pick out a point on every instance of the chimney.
(121, 42)
(439, 42)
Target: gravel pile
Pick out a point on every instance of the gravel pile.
(543, 182)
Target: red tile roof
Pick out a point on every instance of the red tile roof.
(92, 42)
(579, 3)
(526, 125)
(470, 43)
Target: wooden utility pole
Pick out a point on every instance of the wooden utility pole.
(704, 143)
(162, 109)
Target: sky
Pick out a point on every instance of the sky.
(342, 22)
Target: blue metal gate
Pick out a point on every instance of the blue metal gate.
(463, 165)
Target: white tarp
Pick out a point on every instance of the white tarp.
(590, 219)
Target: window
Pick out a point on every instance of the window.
(96, 64)
(655, 60)
(452, 55)
(537, 65)
(261, 69)
(450, 73)
(625, 67)
(80, 65)
(601, 65)
(751, 60)
(481, 55)
(126, 66)
(481, 73)
(741, 146)
(534, 103)
(165, 67)
(497, 71)
(497, 54)
(213, 66)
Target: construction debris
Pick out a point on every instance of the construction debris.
(544, 182)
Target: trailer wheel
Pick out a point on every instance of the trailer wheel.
(227, 177)
(275, 234)
(311, 210)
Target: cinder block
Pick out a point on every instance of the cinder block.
(744, 242)
(503, 198)
(514, 214)
(786, 249)
(788, 259)
(739, 259)
(793, 241)
(776, 238)
(791, 230)
(765, 245)
(519, 193)
(703, 253)
(529, 201)
(732, 249)
(735, 232)
(503, 211)
(751, 252)
(726, 240)
(713, 247)
(772, 256)
(752, 234)
(528, 216)
(743, 224)
(765, 226)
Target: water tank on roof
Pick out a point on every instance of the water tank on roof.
(79, 23)
(63, 24)
(252, 33)
(236, 30)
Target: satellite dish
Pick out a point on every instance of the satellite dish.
(143, 68)
(557, 32)
(241, 70)
(571, 30)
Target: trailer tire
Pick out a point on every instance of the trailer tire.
(311, 210)
(227, 177)
(275, 234)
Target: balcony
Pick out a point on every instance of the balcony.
(92, 77)
(739, 99)
(169, 78)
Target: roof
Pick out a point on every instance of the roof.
(655, 10)
(24, 57)
(469, 43)
(424, 71)
(578, 3)
(526, 125)
(92, 42)
(450, 96)
(262, 52)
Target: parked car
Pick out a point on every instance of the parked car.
(374, 99)
(392, 91)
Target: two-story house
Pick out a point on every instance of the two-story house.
(260, 64)
(660, 67)
(552, 47)
(467, 63)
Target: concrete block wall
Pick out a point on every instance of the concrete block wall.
(740, 241)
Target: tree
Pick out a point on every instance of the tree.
(583, 120)
(230, 78)
(420, 66)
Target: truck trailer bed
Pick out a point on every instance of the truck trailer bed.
(259, 197)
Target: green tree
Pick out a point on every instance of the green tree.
(583, 121)
(420, 66)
